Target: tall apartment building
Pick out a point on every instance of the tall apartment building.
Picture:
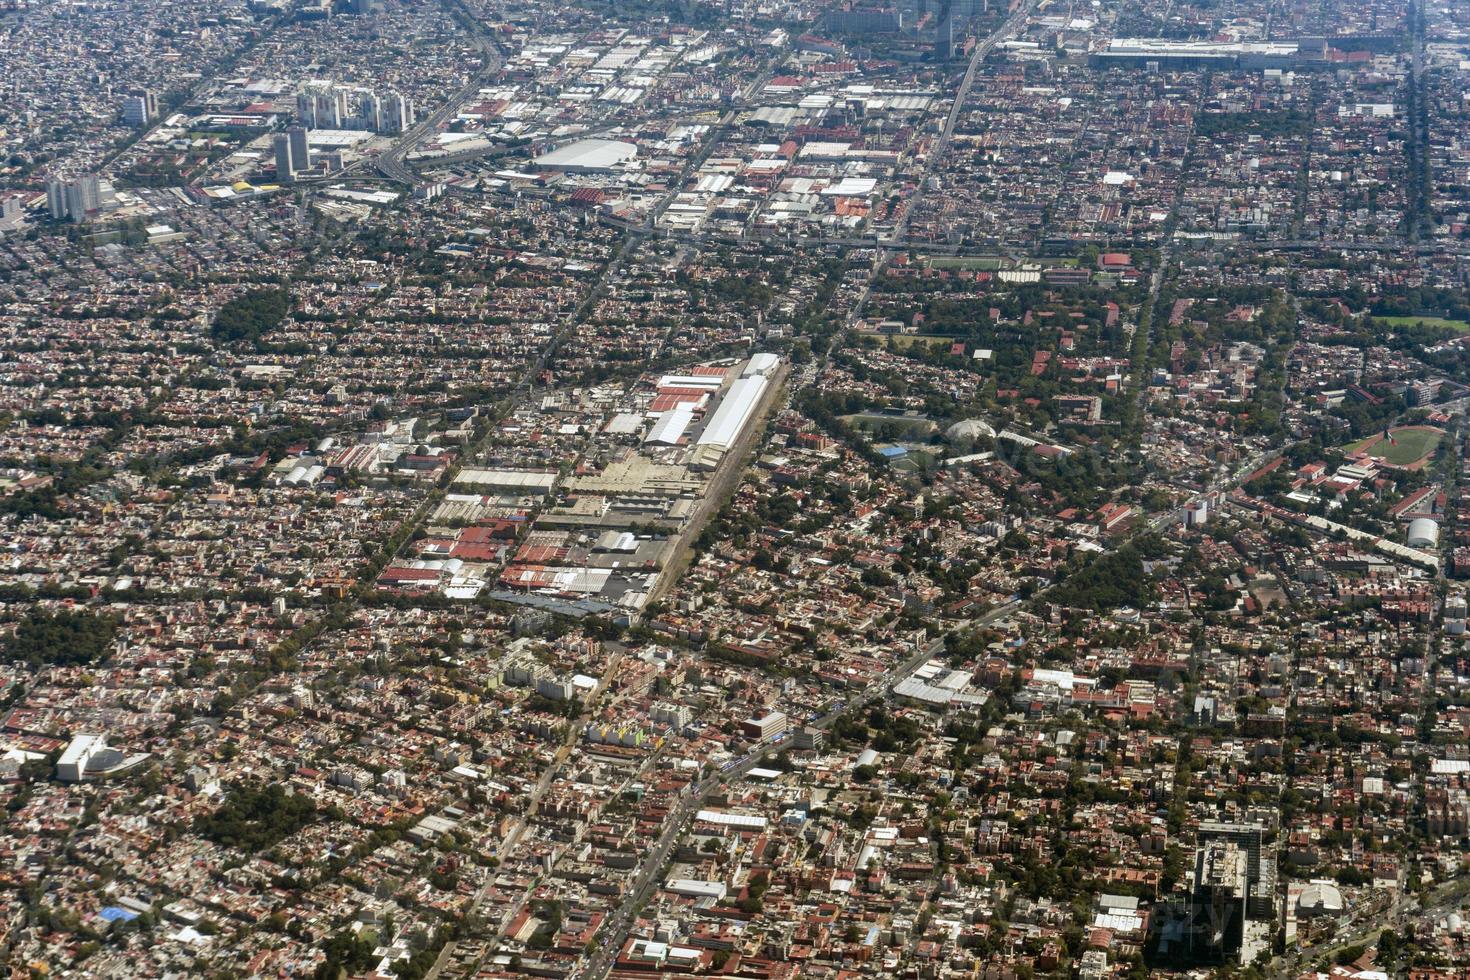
(325, 105)
(73, 200)
(371, 112)
(300, 148)
(400, 113)
(321, 105)
(139, 108)
(306, 109)
(1219, 893)
(285, 163)
(1446, 812)
(1234, 888)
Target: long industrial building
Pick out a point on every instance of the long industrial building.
(1128, 51)
(734, 412)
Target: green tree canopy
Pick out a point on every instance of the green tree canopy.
(250, 316)
(256, 817)
(60, 639)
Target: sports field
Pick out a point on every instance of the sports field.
(974, 263)
(903, 341)
(1409, 446)
(1456, 326)
(908, 426)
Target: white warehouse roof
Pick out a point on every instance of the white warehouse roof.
(669, 428)
(762, 363)
(696, 888)
(527, 481)
(624, 424)
(731, 819)
(691, 381)
(735, 410)
(588, 155)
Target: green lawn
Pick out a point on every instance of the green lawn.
(905, 340)
(916, 460)
(908, 428)
(981, 262)
(1410, 445)
(1455, 326)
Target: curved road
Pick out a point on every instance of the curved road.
(390, 164)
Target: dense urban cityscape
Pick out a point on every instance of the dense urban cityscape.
(760, 489)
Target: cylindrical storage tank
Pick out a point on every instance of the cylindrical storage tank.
(1423, 533)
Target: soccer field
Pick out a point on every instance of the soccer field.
(1409, 445)
(1456, 326)
(971, 262)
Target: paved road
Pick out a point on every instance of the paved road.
(616, 927)
(1012, 24)
(1443, 899)
(563, 752)
(1420, 187)
(1391, 245)
(390, 163)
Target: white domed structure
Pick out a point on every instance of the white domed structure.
(968, 430)
(1423, 533)
(1319, 898)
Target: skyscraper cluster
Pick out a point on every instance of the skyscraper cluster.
(73, 200)
(325, 105)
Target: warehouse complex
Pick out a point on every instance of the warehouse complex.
(595, 538)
